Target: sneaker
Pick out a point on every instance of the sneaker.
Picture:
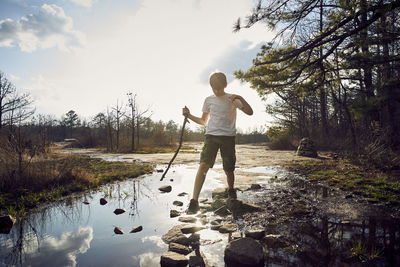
(232, 193)
(193, 207)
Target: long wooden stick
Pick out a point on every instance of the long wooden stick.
(179, 147)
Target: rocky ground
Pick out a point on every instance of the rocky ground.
(281, 218)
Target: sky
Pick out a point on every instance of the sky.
(85, 55)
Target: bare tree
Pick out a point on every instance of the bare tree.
(119, 113)
(13, 106)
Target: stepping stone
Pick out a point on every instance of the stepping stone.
(174, 213)
(118, 231)
(228, 228)
(191, 229)
(171, 258)
(179, 248)
(187, 219)
(119, 211)
(165, 188)
(136, 229)
(178, 203)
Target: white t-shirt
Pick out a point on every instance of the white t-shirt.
(222, 111)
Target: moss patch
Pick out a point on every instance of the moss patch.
(349, 176)
(51, 179)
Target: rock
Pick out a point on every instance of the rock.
(219, 193)
(306, 148)
(228, 228)
(187, 219)
(194, 239)
(159, 170)
(174, 213)
(255, 234)
(175, 235)
(349, 196)
(103, 201)
(216, 222)
(6, 223)
(274, 241)
(255, 187)
(86, 202)
(222, 211)
(136, 229)
(118, 230)
(178, 203)
(239, 207)
(171, 180)
(196, 261)
(205, 207)
(174, 259)
(244, 252)
(216, 227)
(119, 211)
(179, 248)
(191, 229)
(218, 203)
(236, 235)
(165, 188)
(203, 221)
(182, 194)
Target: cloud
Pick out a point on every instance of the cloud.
(63, 251)
(49, 27)
(148, 259)
(236, 57)
(84, 3)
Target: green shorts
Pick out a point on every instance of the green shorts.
(227, 146)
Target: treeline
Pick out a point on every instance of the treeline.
(334, 69)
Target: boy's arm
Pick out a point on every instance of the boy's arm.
(200, 120)
(246, 107)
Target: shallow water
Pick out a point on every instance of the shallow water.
(71, 233)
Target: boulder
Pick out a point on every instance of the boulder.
(189, 229)
(165, 188)
(174, 259)
(179, 248)
(244, 252)
(6, 223)
(119, 211)
(187, 219)
(306, 148)
(220, 193)
(255, 234)
(103, 201)
(178, 203)
(228, 228)
(136, 229)
(175, 235)
(174, 213)
(118, 230)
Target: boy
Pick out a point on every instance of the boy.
(220, 134)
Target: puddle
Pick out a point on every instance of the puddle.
(306, 224)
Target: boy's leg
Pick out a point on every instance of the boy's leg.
(200, 176)
(230, 178)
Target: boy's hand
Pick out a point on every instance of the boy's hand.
(185, 111)
(233, 97)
